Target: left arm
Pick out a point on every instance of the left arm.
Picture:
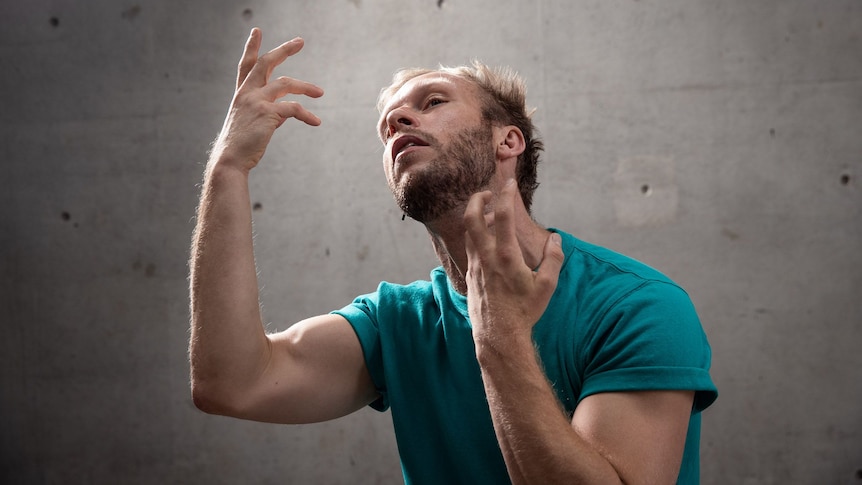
(613, 438)
(625, 437)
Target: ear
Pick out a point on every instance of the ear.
(510, 142)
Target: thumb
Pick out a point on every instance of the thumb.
(552, 261)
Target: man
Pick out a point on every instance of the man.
(530, 356)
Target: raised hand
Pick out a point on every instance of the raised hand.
(505, 297)
(257, 109)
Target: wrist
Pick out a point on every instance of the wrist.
(231, 153)
(224, 165)
(510, 347)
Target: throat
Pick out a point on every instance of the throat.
(455, 271)
(456, 276)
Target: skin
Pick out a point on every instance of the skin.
(488, 244)
(236, 369)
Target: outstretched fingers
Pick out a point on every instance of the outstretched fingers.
(249, 56)
(262, 69)
(504, 222)
(292, 109)
(283, 86)
(505, 296)
(257, 109)
(493, 234)
(479, 236)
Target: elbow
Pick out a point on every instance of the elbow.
(202, 399)
(209, 399)
(221, 398)
(209, 390)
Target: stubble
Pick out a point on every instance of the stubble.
(465, 167)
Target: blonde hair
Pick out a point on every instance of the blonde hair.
(504, 96)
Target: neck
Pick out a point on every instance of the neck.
(448, 243)
(448, 238)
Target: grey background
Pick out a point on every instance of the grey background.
(719, 141)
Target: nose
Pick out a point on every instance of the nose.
(400, 117)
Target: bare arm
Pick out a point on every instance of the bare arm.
(236, 369)
(631, 438)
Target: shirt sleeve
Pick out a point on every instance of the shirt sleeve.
(650, 339)
(362, 316)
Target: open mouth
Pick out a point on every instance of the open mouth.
(404, 143)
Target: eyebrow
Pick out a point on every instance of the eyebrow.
(420, 90)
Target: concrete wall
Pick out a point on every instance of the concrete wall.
(720, 141)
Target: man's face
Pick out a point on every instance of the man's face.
(438, 148)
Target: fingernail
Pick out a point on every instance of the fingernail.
(556, 239)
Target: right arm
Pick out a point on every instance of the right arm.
(314, 370)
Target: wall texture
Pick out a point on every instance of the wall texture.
(718, 141)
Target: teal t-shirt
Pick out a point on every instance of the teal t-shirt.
(613, 324)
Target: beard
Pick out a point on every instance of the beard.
(447, 182)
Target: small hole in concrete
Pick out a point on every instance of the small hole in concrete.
(845, 179)
(131, 12)
(772, 132)
(257, 206)
(54, 21)
(247, 14)
(645, 189)
(65, 216)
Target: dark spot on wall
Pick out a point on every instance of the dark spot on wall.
(327, 251)
(845, 179)
(68, 217)
(733, 236)
(772, 132)
(645, 189)
(257, 206)
(149, 269)
(55, 22)
(131, 12)
(439, 3)
(859, 474)
(247, 14)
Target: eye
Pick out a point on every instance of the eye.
(434, 102)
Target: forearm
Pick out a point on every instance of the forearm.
(228, 345)
(539, 444)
